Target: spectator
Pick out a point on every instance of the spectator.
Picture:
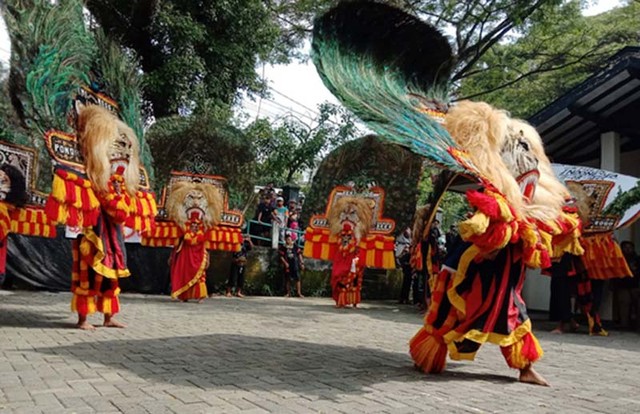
(451, 238)
(236, 276)
(291, 258)
(264, 216)
(293, 225)
(280, 217)
(563, 284)
(293, 207)
(626, 290)
(403, 259)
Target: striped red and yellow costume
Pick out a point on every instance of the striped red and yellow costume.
(477, 296)
(347, 236)
(27, 221)
(99, 255)
(190, 256)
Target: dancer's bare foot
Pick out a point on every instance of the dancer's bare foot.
(109, 322)
(287, 295)
(200, 300)
(85, 326)
(557, 331)
(530, 376)
(300, 295)
(240, 295)
(228, 294)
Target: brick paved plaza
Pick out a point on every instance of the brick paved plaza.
(282, 355)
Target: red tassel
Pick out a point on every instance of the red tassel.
(486, 204)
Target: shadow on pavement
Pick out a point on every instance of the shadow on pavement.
(248, 362)
(14, 318)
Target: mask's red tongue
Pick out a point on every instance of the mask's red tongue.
(194, 215)
(347, 226)
(120, 169)
(528, 183)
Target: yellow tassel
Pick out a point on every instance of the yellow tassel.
(476, 225)
(78, 202)
(58, 189)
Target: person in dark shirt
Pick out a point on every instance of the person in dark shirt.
(236, 276)
(291, 259)
(265, 213)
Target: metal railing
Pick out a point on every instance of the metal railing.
(256, 230)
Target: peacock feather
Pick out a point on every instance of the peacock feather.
(54, 54)
(51, 56)
(121, 77)
(388, 67)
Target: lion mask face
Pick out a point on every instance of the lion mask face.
(13, 187)
(5, 185)
(195, 203)
(584, 201)
(109, 147)
(351, 218)
(510, 154)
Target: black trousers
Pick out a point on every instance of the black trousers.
(236, 277)
(562, 288)
(406, 282)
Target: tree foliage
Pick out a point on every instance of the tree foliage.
(558, 51)
(205, 143)
(517, 54)
(290, 146)
(194, 54)
(453, 205)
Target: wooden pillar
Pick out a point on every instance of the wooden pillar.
(610, 151)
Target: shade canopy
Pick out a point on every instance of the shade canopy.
(608, 101)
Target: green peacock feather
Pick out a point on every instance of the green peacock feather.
(51, 57)
(122, 79)
(384, 64)
(53, 54)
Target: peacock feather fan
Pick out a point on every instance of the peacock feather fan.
(54, 53)
(360, 51)
(120, 75)
(51, 56)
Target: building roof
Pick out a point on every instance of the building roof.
(607, 101)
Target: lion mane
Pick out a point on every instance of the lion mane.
(186, 195)
(98, 128)
(502, 148)
(356, 209)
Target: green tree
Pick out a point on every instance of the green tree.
(289, 146)
(516, 54)
(558, 51)
(205, 143)
(454, 206)
(193, 53)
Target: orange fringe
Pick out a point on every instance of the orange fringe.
(603, 258)
(428, 352)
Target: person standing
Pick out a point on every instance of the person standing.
(280, 216)
(236, 276)
(265, 213)
(403, 259)
(291, 259)
(563, 283)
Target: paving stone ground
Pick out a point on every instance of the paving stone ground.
(260, 355)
